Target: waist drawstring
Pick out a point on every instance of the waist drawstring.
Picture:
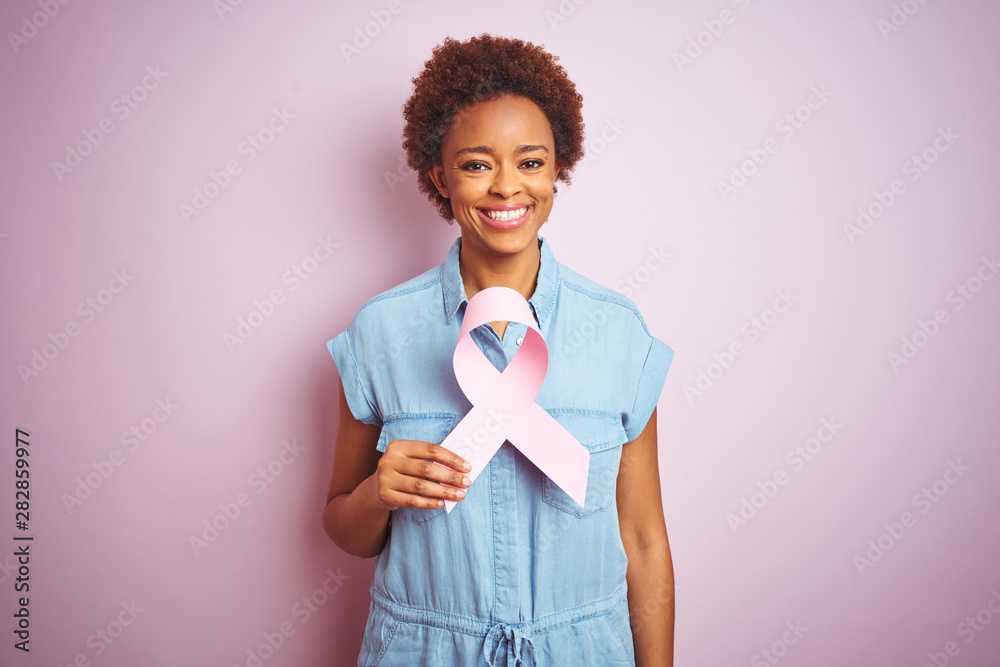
(508, 639)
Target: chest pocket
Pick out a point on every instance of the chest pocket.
(602, 434)
(429, 427)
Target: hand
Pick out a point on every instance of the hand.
(413, 473)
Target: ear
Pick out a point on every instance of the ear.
(437, 177)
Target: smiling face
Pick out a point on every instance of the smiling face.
(498, 169)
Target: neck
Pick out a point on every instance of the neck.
(481, 271)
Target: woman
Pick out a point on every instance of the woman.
(518, 573)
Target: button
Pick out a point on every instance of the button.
(519, 341)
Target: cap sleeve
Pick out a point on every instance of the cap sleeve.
(652, 374)
(357, 389)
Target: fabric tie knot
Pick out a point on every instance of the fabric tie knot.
(507, 641)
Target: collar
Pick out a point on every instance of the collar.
(542, 301)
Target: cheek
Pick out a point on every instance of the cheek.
(544, 188)
(469, 188)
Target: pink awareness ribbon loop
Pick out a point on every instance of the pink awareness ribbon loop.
(503, 404)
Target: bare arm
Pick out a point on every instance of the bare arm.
(366, 486)
(650, 573)
(352, 518)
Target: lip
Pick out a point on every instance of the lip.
(504, 224)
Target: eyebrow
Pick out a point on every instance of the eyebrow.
(489, 149)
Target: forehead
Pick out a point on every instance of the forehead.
(506, 121)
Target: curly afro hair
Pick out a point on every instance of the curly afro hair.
(485, 68)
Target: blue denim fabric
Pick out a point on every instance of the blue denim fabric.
(518, 573)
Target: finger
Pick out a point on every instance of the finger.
(431, 470)
(425, 495)
(432, 489)
(438, 454)
(397, 499)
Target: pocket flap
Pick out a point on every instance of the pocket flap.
(428, 427)
(594, 430)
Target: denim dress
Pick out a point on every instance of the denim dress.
(518, 573)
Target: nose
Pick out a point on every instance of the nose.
(506, 181)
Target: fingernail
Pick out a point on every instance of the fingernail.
(460, 494)
(466, 481)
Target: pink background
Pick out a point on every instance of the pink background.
(662, 134)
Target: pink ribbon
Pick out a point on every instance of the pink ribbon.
(503, 404)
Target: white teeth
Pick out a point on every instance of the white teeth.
(507, 215)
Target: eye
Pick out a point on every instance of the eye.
(474, 166)
(533, 164)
